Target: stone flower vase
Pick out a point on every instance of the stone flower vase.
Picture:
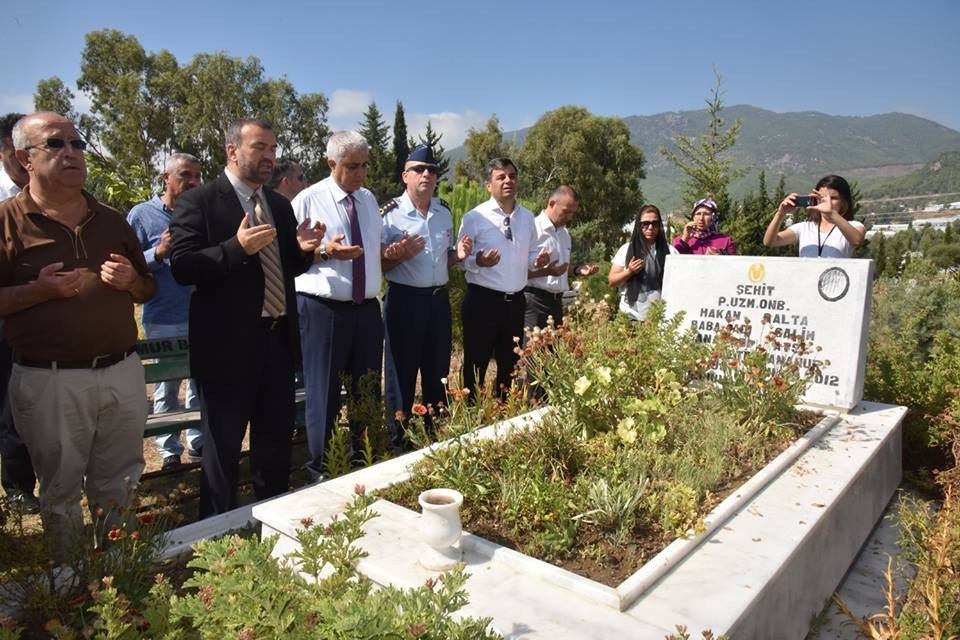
(440, 528)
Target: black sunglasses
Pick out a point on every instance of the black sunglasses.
(420, 168)
(507, 233)
(59, 143)
(649, 223)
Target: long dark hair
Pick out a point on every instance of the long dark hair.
(638, 249)
(842, 187)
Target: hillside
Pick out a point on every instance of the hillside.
(940, 176)
(802, 146)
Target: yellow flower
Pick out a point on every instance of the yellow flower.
(626, 430)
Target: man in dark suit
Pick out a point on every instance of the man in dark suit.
(239, 245)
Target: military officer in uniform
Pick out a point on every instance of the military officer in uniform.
(417, 318)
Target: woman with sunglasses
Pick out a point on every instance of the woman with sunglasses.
(700, 236)
(637, 267)
(829, 230)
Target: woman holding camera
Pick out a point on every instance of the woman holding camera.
(637, 267)
(700, 236)
(829, 230)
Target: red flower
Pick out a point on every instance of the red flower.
(419, 409)
(114, 534)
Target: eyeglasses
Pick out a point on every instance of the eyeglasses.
(420, 168)
(649, 223)
(59, 143)
(507, 233)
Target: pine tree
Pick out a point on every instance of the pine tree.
(431, 138)
(401, 149)
(380, 173)
(879, 255)
(704, 161)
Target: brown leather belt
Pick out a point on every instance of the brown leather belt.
(97, 362)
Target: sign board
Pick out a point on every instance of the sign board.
(824, 302)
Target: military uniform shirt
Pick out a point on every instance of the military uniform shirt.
(429, 267)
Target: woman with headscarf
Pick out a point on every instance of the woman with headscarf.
(637, 267)
(700, 236)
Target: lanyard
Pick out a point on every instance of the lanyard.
(819, 243)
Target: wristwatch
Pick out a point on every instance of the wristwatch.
(324, 256)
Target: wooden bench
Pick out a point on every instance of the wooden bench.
(168, 359)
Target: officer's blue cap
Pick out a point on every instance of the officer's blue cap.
(422, 153)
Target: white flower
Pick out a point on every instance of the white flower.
(603, 374)
(581, 385)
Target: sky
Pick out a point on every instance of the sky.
(457, 63)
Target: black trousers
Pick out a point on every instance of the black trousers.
(262, 394)
(539, 305)
(491, 320)
(419, 331)
(16, 470)
(338, 339)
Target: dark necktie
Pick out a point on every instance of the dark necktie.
(356, 238)
(274, 296)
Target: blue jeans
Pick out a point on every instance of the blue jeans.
(166, 396)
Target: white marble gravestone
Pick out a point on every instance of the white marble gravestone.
(826, 302)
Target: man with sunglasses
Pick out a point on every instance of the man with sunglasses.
(504, 239)
(71, 270)
(416, 307)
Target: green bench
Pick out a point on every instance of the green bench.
(168, 359)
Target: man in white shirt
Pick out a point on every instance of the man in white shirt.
(504, 249)
(546, 286)
(341, 329)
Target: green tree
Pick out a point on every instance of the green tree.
(126, 88)
(481, 146)
(593, 155)
(53, 95)
(432, 139)
(401, 147)
(879, 250)
(380, 174)
(705, 162)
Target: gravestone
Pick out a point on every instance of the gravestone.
(823, 303)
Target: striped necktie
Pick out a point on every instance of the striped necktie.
(274, 296)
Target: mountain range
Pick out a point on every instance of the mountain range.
(802, 146)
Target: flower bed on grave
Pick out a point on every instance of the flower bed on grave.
(649, 431)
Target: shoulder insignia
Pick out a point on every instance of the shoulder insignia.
(444, 203)
(388, 206)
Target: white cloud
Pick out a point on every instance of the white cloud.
(349, 103)
(453, 126)
(22, 103)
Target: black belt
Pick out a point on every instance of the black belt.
(506, 297)
(348, 303)
(97, 362)
(543, 293)
(420, 291)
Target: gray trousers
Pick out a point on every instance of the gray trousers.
(84, 431)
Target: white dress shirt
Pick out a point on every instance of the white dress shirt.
(486, 225)
(8, 188)
(558, 243)
(325, 202)
(429, 267)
